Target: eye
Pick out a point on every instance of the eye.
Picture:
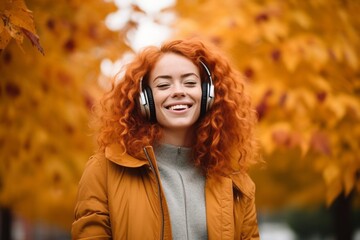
(163, 85)
(191, 83)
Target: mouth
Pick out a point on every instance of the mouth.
(178, 107)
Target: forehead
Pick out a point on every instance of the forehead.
(172, 63)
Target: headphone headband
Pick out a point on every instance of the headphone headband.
(210, 88)
(142, 99)
(207, 71)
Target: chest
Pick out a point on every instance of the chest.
(139, 208)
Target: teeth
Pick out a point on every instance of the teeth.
(178, 107)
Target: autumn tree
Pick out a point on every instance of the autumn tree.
(49, 66)
(301, 59)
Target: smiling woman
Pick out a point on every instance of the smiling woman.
(176, 86)
(176, 137)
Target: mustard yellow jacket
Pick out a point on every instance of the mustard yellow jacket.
(121, 197)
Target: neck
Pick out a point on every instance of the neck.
(180, 137)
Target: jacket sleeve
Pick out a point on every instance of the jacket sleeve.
(91, 208)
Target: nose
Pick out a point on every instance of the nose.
(179, 91)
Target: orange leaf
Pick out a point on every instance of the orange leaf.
(4, 38)
(18, 22)
(34, 40)
(320, 143)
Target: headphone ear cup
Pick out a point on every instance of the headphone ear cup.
(151, 113)
(204, 98)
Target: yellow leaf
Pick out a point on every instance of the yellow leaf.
(349, 180)
(333, 192)
(291, 56)
(304, 144)
(331, 175)
(343, 50)
(274, 31)
(337, 50)
(317, 54)
(320, 83)
(335, 109)
(302, 19)
(307, 97)
(351, 103)
(351, 56)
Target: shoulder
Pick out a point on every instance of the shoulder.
(95, 163)
(95, 170)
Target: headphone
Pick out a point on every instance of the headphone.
(147, 105)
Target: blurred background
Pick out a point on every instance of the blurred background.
(300, 58)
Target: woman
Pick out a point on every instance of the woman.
(175, 142)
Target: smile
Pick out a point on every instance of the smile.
(178, 107)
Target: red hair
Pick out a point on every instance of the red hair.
(225, 135)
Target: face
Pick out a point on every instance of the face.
(176, 86)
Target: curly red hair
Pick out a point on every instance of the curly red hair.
(225, 135)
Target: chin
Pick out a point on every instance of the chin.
(180, 125)
(177, 124)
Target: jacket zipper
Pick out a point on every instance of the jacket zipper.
(159, 195)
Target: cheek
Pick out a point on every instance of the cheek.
(198, 95)
(158, 98)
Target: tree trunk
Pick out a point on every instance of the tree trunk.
(5, 223)
(341, 211)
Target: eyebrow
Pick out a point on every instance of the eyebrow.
(182, 76)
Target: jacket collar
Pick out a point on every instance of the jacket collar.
(116, 154)
(243, 182)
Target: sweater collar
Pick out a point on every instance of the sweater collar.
(172, 155)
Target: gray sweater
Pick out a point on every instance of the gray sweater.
(184, 187)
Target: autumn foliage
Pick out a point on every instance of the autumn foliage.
(45, 100)
(301, 59)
